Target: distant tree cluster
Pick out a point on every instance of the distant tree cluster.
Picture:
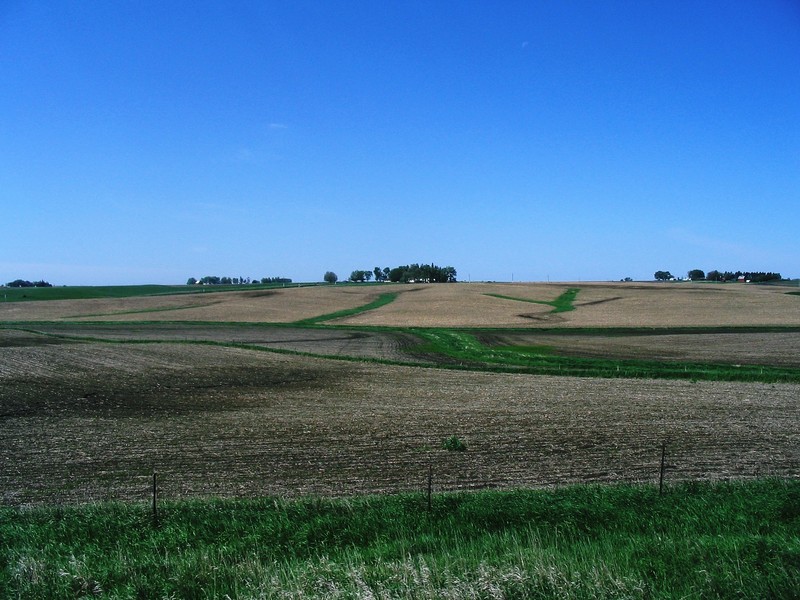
(700, 275)
(21, 283)
(214, 280)
(405, 274)
(422, 274)
(696, 275)
(361, 276)
(755, 277)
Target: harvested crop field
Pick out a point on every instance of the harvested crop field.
(87, 421)
(448, 305)
(261, 306)
(596, 305)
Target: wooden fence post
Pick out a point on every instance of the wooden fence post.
(430, 484)
(663, 468)
(155, 495)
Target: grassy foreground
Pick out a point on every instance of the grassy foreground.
(697, 541)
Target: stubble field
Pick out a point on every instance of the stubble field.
(446, 305)
(89, 410)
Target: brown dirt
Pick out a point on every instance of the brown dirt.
(88, 421)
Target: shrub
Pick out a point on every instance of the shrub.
(453, 444)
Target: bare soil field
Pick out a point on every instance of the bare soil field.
(449, 305)
(82, 422)
(377, 344)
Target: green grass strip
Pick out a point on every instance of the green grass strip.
(563, 303)
(465, 348)
(381, 300)
(698, 540)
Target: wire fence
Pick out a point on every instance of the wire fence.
(430, 472)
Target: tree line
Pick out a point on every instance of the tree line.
(754, 276)
(214, 280)
(414, 273)
(700, 275)
(22, 283)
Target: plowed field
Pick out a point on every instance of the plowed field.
(87, 421)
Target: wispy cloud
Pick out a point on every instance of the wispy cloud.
(277, 126)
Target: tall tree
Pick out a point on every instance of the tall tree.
(696, 274)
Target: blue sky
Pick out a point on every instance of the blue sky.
(147, 142)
